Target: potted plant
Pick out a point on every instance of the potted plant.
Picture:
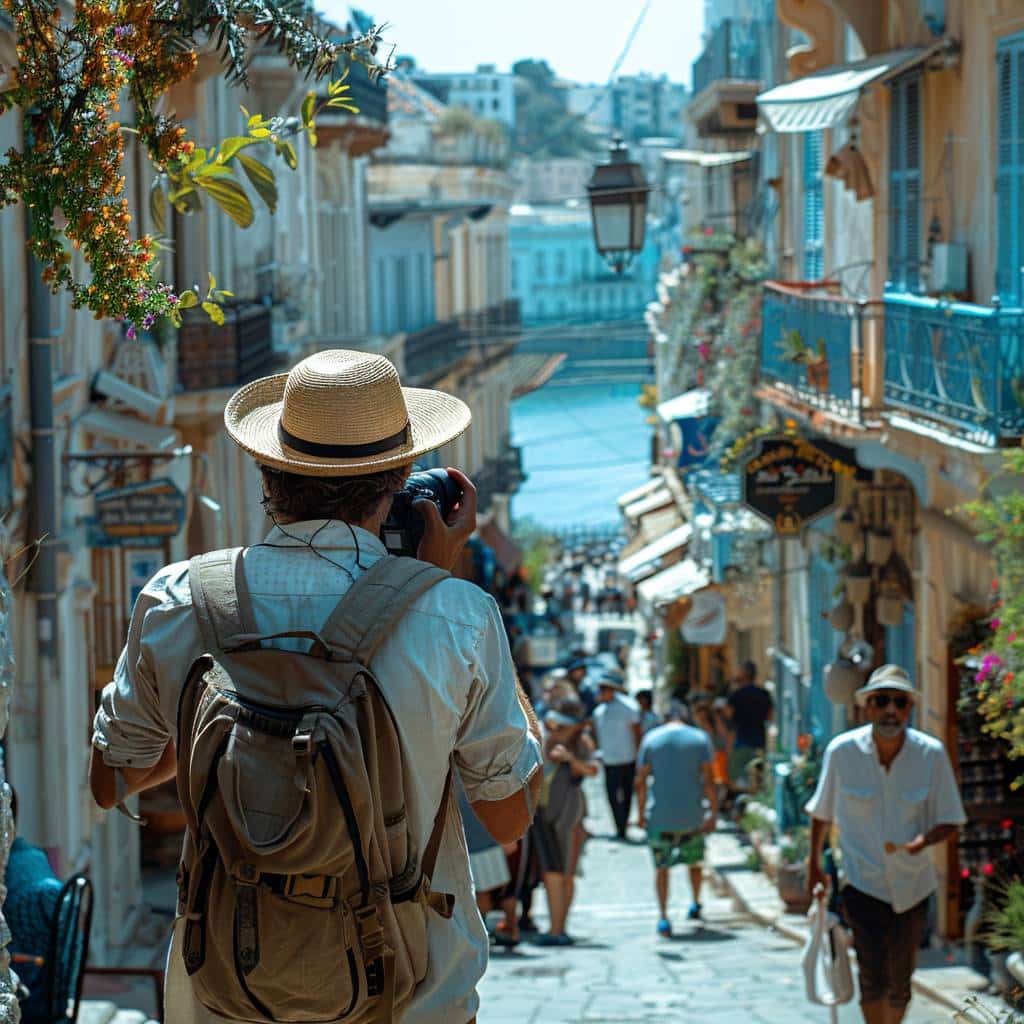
(794, 850)
(1005, 928)
(813, 358)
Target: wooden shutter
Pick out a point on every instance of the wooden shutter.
(814, 209)
(1010, 169)
(905, 218)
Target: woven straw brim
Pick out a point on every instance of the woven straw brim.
(253, 413)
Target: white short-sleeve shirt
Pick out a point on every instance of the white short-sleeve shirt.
(872, 807)
(614, 721)
(447, 674)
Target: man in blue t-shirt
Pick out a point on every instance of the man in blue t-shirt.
(673, 777)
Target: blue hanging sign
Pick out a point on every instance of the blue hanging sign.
(139, 515)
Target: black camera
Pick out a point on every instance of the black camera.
(403, 529)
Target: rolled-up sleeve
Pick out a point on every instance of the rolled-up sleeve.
(130, 727)
(495, 751)
(823, 804)
(944, 804)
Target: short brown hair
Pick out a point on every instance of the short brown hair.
(348, 498)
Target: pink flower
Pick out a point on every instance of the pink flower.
(996, 623)
(131, 332)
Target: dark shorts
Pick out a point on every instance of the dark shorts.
(886, 944)
(671, 848)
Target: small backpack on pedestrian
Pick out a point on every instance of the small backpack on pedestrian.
(304, 895)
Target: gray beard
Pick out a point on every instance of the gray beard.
(888, 730)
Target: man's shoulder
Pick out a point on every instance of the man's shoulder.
(459, 602)
(169, 586)
(929, 745)
(851, 741)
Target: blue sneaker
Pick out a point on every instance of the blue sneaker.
(693, 914)
(665, 928)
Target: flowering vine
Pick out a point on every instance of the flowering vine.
(71, 77)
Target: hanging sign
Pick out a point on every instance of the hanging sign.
(789, 481)
(706, 621)
(140, 515)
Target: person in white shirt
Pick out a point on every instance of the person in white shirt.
(334, 440)
(618, 723)
(892, 793)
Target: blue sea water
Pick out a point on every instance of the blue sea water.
(585, 441)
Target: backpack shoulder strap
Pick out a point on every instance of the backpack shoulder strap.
(220, 597)
(376, 601)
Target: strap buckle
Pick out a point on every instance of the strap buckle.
(302, 740)
(371, 931)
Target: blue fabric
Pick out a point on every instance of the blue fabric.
(32, 894)
(676, 755)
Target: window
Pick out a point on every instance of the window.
(905, 182)
(560, 265)
(514, 267)
(540, 266)
(814, 209)
(1010, 170)
(402, 292)
(495, 104)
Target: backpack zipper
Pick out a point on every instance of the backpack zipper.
(350, 814)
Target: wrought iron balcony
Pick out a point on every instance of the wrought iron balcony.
(733, 51)
(814, 347)
(496, 325)
(959, 364)
(431, 352)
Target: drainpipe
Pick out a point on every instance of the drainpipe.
(43, 526)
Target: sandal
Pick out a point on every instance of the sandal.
(505, 936)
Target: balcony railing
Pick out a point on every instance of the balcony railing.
(212, 356)
(496, 324)
(733, 51)
(432, 351)
(957, 363)
(833, 332)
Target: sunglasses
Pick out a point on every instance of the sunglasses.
(883, 700)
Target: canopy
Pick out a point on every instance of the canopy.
(636, 493)
(703, 159)
(648, 559)
(826, 98)
(687, 406)
(672, 583)
(656, 499)
(113, 426)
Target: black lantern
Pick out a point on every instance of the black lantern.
(618, 204)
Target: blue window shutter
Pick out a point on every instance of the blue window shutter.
(814, 209)
(1010, 169)
(905, 214)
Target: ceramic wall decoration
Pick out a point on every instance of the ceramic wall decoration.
(841, 616)
(847, 528)
(879, 545)
(842, 679)
(858, 583)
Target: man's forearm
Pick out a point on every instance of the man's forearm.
(939, 834)
(711, 792)
(531, 716)
(819, 830)
(103, 778)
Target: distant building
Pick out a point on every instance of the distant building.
(635, 107)
(558, 275)
(717, 11)
(486, 92)
(554, 180)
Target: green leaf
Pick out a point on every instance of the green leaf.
(176, 318)
(286, 151)
(260, 133)
(255, 120)
(229, 147)
(214, 312)
(213, 281)
(344, 105)
(230, 197)
(187, 299)
(198, 159)
(245, 113)
(338, 85)
(262, 179)
(308, 106)
(312, 136)
(213, 171)
(158, 206)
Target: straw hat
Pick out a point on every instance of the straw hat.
(887, 677)
(341, 413)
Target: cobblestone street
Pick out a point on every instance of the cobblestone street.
(728, 971)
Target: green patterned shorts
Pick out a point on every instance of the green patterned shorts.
(672, 848)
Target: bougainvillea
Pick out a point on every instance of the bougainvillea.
(72, 75)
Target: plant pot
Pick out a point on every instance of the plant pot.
(847, 528)
(842, 680)
(792, 884)
(889, 608)
(858, 585)
(841, 616)
(879, 546)
(817, 374)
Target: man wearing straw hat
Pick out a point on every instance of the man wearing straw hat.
(334, 440)
(891, 792)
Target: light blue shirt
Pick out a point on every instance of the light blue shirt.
(676, 755)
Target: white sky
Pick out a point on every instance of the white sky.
(580, 39)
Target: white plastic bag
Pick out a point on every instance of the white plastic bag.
(826, 959)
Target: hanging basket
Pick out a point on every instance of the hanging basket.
(879, 546)
(847, 528)
(842, 680)
(841, 616)
(858, 584)
(889, 607)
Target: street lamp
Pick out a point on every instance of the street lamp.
(618, 194)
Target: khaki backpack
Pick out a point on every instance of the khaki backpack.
(304, 895)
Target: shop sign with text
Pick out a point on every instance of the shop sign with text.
(140, 515)
(790, 481)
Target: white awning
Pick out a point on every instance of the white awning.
(648, 559)
(640, 492)
(687, 406)
(672, 583)
(700, 158)
(826, 98)
(113, 426)
(656, 499)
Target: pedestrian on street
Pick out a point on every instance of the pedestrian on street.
(649, 718)
(334, 440)
(750, 709)
(557, 833)
(891, 792)
(617, 721)
(674, 777)
(576, 675)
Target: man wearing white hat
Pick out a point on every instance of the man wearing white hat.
(891, 792)
(335, 439)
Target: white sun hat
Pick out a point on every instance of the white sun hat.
(886, 677)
